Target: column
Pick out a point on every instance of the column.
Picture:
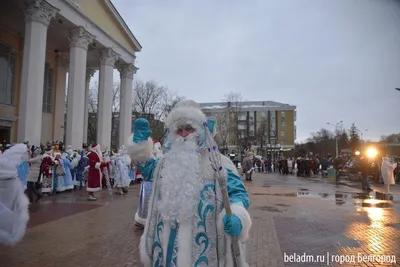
(38, 15)
(89, 74)
(60, 103)
(79, 40)
(104, 110)
(125, 108)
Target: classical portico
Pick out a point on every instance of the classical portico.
(60, 37)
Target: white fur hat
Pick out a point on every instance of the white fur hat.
(186, 112)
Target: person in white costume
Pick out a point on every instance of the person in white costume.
(14, 204)
(186, 223)
(121, 171)
(387, 169)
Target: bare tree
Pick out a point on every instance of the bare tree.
(235, 102)
(154, 102)
(93, 107)
(222, 130)
(150, 100)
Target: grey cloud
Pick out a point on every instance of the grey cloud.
(333, 59)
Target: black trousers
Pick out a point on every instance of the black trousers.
(31, 190)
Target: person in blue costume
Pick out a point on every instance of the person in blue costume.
(69, 165)
(83, 163)
(146, 185)
(186, 222)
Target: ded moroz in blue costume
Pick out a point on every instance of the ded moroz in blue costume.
(186, 223)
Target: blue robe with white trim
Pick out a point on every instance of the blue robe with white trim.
(207, 244)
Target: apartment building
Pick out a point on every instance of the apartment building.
(263, 126)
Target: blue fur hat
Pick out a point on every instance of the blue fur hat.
(211, 124)
(141, 130)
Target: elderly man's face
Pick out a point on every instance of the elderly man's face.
(185, 130)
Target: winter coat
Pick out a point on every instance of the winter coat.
(34, 170)
(387, 171)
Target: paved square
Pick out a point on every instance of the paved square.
(290, 215)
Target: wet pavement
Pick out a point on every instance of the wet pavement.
(294, 219)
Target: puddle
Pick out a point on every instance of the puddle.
(345, 241)
(363, 199)
(270, 209)
(394, 225)
(282, 205)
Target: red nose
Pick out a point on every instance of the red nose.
(184, 133)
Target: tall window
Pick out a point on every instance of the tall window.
(7, 66)
(282, 133)
(47, 89)
(283, 114)
(283, 123)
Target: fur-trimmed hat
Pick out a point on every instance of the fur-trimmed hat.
(186, 112)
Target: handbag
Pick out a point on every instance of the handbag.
(60, 171)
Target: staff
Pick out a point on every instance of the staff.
(215, 159)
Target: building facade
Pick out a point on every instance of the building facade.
(263, 126)
(43, 40)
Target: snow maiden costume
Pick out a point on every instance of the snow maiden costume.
(145, 186)
(121, 171)
(186, 224)
(14, 204)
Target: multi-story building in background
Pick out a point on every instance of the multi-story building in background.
(263, 126)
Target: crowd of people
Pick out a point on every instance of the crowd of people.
(182, 199)
(379, 170)
(53, 169)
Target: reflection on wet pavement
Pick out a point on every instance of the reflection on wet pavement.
(320, 217)
(363, 199)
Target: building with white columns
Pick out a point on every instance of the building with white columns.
(43, 40)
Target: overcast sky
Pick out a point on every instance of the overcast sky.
(334, 59)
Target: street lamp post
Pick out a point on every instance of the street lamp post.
(336, 139)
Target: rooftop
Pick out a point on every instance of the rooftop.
(248, 105)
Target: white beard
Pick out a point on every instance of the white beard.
(181, 181)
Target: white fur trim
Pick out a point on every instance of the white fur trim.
(142, 151)
(241, 212)
(75, 162)
(140, 220)
(165, 239)
(96, 189)
(245, 219)
(185, 113)
(227, 163)
(10, 161)
(18, 211)
(185, 241)
(144, 258)
(97, 166)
